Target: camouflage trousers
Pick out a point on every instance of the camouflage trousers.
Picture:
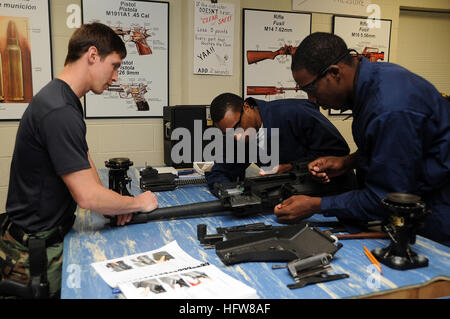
(15, 265)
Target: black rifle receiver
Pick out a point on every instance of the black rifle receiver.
(258, 194)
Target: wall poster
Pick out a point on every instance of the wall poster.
(270, 38)
(143, 86)
(350, 7)
(213, 38)
(370, 40)
(25, 54)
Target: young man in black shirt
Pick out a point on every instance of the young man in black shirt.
(51, 169)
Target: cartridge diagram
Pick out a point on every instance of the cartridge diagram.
(25, 55)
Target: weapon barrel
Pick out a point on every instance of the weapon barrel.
(189, 210)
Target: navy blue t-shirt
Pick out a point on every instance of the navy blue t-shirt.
(50, 142)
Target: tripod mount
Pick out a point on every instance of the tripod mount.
(118, 178)
(406, 215)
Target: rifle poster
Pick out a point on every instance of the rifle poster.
(25, 54)
(213, 38)
(370, 38)
(143, 86)
(270, 40)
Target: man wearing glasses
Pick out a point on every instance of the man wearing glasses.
(401, 127)
(304, 133)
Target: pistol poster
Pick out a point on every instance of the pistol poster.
(270, 40)
(143, 86)
(213, 38)
(25, 54)
(369, 37)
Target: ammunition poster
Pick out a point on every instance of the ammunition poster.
(213, 38)
(270, 40)
(143, 86)
(25, 54)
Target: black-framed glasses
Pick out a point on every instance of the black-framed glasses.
(311, 87)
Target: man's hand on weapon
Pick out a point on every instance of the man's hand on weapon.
(323, 168)
(297, 207)
(147, 203)
(123, 219)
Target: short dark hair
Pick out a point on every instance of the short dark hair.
(222, 103)
(317, 51)
(94, 34)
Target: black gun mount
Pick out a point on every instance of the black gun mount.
(406, 214)
(118, 178)
(152, 180)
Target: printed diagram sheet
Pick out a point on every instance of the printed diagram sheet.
(169, 273)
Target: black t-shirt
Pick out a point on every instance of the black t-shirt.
(50, 142)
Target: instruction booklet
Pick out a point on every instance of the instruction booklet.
(170, 273)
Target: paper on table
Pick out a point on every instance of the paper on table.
(170, 273)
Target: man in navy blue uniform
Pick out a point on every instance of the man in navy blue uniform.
(303, 132)
(401, 127)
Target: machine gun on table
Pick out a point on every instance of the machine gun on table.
(253, 195)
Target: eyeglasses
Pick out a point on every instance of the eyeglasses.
(311, 87)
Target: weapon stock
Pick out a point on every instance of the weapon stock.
(256, 56)
(132, 91)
